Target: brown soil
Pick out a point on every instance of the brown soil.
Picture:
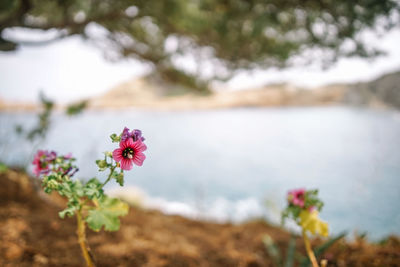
(32, 234)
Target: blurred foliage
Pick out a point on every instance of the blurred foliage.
(291, 255)
(228, 34)
(3, 167)
(41, 128)
(76, 108)
(273, 251)
(39, 131)
(320, 250)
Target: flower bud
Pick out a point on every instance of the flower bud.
(52, 184)
(101, 163)
(115, 138)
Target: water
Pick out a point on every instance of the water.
(237, 164)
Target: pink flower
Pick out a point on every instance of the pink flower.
(297, 197)
(68, 156)
(135, 135)
(130, 152)
(311, 208)
(42, 160)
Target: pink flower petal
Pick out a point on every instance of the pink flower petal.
(140, 146)
(129, 142)
(139, 158)
(126, 164)
(36, 171)
(126, 143)
(117, 154)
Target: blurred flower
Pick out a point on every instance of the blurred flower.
(130, 152)
(41, 161)
(70, 171)
(135, 135)
(309, 221)
(51, 156)
(68, 156)
(297, 197)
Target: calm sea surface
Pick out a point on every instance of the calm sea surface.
(237, 164)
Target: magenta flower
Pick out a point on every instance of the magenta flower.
(68, 156)
(130, 152)
(42, 160)
(297, 197)
(135, 135)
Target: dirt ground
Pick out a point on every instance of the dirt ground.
(32, 234)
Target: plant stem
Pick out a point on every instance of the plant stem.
(109, 176)
(82, 240)
(310, 253)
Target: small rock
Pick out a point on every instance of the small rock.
(13, 251)
(55, 225)
(40, 259)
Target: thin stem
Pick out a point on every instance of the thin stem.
(82, 240)
(310, 253)
(109, 176)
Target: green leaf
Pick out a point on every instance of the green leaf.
(93, 189)
(76, 108)
(71, 189)
(291, 252)
(106, 214)
(70, 211)
(120, 178)
(322, 248)
(272, 249)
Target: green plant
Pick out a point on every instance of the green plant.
(87, 200)
(273, 251)
(292, 256)
(225, 36)
(303, 207)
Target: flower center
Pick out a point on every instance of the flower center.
(43, 164)
(128, 153)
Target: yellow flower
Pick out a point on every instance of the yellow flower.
(310, 221)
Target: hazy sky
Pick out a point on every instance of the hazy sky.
(71, 69)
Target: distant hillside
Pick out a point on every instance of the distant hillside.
(21, 106)
(149, 93)
(384, 91)
(144, 93)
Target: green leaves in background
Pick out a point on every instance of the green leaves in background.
(3, 167)
(41, 128)
(107, 214)
(76, 108)
(273, 251)
(232, 35)
(291, 255)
